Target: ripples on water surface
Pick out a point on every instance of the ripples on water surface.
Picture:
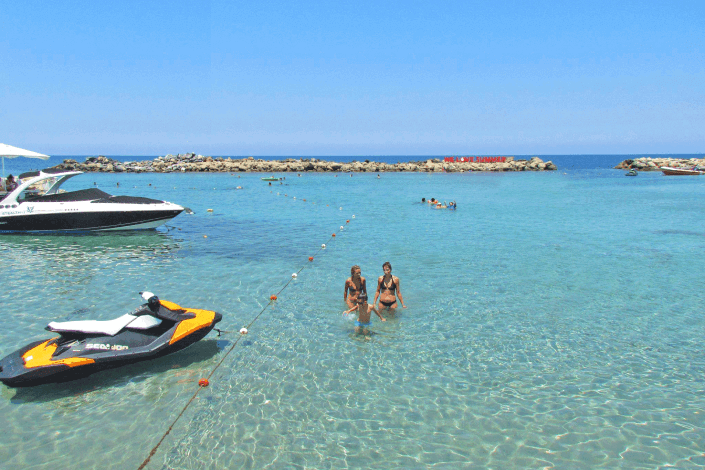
(554, 320)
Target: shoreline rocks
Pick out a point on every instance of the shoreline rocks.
(191, 162)
(655, 164)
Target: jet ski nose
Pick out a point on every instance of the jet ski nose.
(217, 318)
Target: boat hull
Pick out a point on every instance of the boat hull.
(34, 218)
(28, 210)
(680, 172)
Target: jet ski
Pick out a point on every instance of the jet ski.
(155, 329)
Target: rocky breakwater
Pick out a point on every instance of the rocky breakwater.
(190, 162)
(655, 164)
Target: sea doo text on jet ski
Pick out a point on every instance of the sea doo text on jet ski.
(27, 209)
(156, 328)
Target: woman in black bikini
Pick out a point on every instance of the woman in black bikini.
(388, 289)
(354, 284)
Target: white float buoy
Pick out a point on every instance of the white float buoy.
(341, 208)
(243, 331)
(323, 246)
(342, 228)
(294, 275)
(353, 216)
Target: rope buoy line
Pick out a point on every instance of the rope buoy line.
(205, 382)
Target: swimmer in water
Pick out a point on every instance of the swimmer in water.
(388, 289)
(363, 322)
(355, 285)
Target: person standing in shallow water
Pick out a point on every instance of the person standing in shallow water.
(355, 285)
(388, 289)
(363, 323)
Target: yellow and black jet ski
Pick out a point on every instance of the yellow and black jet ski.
(154, 329)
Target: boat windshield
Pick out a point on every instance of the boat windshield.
(37, 189)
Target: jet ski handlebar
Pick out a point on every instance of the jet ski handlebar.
(152, 301)
(161, 311)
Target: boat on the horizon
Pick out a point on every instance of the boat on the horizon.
(670, 171)
(270, 178)
(37, 205)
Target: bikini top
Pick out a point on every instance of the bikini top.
(352, 287)
(391, 287)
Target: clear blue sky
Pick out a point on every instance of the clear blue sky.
(352, 78)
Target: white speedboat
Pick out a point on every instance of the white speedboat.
(669, 171)
(37, 205)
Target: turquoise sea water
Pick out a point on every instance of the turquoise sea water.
(554, 321)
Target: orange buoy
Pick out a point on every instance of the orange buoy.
(203, 382)
(310, 258)
(333, 234)
(347, 221)
(274, 297)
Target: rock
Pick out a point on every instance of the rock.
(655, 164)
(198, 163)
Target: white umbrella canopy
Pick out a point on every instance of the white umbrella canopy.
(8, 151)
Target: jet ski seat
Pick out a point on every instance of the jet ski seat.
(105, 327)
(144, 322)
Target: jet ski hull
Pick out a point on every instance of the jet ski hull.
(74, 355)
